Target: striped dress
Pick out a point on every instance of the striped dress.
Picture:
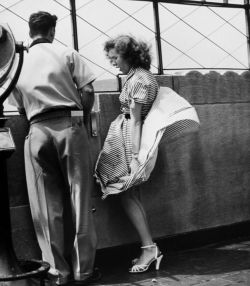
(114, 159)
(166, 116)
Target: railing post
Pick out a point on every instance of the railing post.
(247, 13)
(158, 37)
(74, 23)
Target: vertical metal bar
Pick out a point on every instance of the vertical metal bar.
(119, 80)
(74, 23)
(247, 13)
(158, 37)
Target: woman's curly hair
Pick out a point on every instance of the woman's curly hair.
(136, 53)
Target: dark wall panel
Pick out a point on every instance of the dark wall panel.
(200, 181)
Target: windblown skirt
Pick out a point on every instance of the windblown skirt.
(169, 117)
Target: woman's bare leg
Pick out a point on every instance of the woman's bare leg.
(136, 213)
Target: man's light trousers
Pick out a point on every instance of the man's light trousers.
(60, 179)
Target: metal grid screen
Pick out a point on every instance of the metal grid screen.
(184, 34)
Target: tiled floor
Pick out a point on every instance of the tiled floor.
(214, 265)
(221, 264)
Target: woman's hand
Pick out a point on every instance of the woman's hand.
(134, 165)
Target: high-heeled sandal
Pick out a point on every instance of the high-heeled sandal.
(134, 261)
(139, 268)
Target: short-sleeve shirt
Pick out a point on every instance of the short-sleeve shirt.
(50, 78)
(140, 86)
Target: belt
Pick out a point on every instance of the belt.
(56, 113)
(127, 116)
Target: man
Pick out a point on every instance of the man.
(55, 90)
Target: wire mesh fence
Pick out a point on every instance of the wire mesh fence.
(193, 34)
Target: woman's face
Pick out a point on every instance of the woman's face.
(117, 61)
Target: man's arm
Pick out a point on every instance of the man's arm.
(15, 99)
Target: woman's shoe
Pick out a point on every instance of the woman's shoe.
(140, 268)
(134, 261)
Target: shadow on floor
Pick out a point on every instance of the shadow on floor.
(177, 268)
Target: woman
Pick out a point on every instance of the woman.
(119, 156)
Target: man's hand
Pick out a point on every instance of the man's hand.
(87, 98)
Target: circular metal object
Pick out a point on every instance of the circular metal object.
(30, 269)
(7, 52)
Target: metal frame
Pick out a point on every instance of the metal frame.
(74, 23)
(225, 4)
(198, 3)
(247, 13)
(158, 37)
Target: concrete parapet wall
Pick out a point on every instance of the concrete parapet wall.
(200, 181)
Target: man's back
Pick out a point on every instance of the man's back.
(50, 78)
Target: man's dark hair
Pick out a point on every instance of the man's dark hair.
(41, 22)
